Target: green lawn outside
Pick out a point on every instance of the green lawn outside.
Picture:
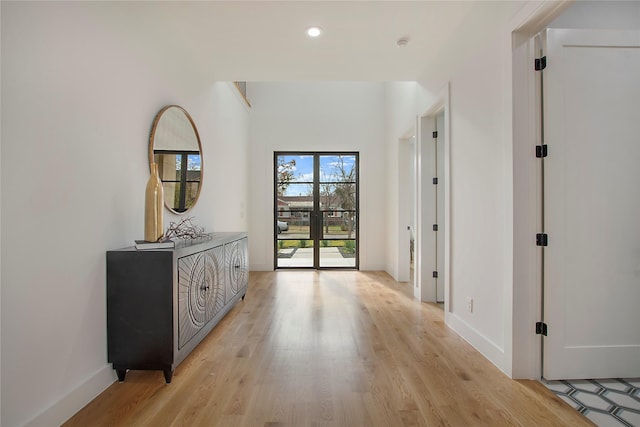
(286, 244)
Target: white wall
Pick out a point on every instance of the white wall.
(318, 116)
(480, 202)
(77, 107)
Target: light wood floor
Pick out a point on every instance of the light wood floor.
(330, 348)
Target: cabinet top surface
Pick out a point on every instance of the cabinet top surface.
(195, 245)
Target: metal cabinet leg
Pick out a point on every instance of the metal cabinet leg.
(168, 374)
(121, 374)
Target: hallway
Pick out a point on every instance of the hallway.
(332, 348)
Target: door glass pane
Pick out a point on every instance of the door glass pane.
(294, 212)
(338, 224)
(295, 253)
(338, 253)
(337, 239)
(338, 168)
(294, 168)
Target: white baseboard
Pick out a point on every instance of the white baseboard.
(486, 347)
(74, 400)
(374, 267)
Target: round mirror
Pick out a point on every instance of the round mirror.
(175, 146)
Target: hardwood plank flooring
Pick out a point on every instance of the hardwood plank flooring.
(329, 348)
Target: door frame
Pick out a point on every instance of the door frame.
(425, 289)
(316, 219)
(525, 345)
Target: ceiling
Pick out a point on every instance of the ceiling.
(266, 41)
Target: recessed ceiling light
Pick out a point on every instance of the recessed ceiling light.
(314, 31)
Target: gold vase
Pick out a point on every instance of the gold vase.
(153, 207)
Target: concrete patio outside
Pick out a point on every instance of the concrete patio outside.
(329, 257)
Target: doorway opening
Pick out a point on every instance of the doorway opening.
(406, 207)
(316, 210)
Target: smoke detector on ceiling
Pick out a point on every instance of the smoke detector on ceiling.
(402, 42)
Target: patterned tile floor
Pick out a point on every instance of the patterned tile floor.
(607, 403)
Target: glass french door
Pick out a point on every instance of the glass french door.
(316, 210)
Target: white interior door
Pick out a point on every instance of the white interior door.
(440, 218)
(428, 213)
(592, 204)
(432, 213)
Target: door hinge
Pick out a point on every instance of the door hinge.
(541, 63)
(435, 134)
(435, 274)
(435, 181)
(541, 328)
(541, 151)
(435, 227)
(542, 239)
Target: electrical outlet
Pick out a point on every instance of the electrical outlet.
(470, 304)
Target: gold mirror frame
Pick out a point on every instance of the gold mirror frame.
(174, 144)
